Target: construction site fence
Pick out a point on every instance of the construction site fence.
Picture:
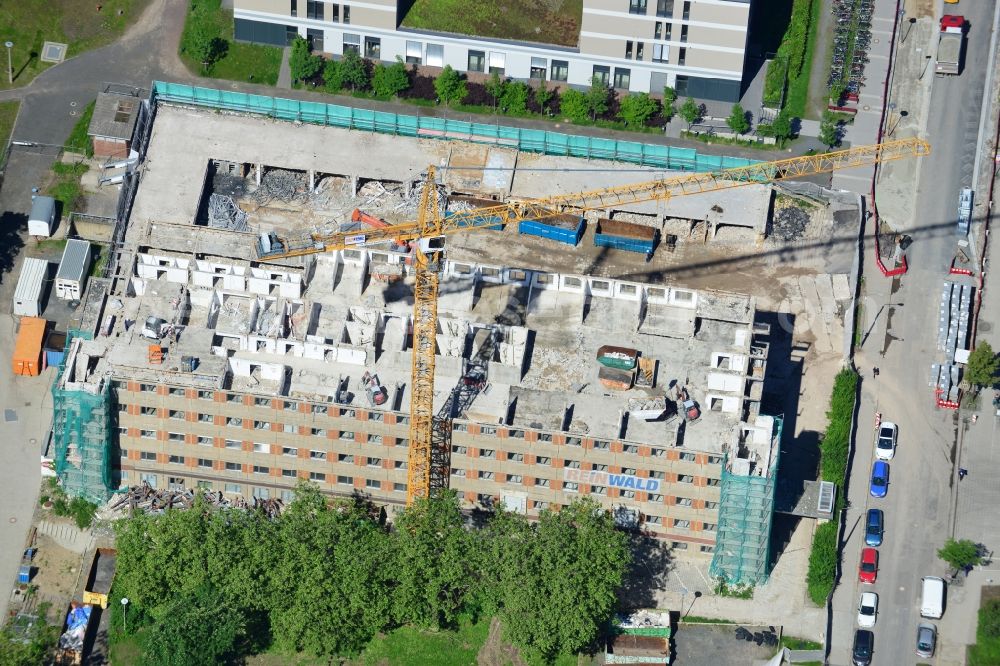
(429, 127)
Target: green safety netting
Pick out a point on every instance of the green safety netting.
(82, 435)
(528, 140)
(743, 534)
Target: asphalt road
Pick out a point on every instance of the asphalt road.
(918, 506)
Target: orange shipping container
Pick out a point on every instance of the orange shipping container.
(28, 348)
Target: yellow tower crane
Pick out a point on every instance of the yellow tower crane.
(426, 470)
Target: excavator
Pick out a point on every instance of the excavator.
(430, 434)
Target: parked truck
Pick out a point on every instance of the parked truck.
(80, 628)
(951, 38)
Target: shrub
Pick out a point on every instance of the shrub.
(302, 63)
(822, 563)
(574, 105)
(515, 98)
(598, 97)
(389, 81)
(450, 86)
(353, 71)
(543, 97)
(635, 110)
(333, 76)
(737, 120)
(791, 54)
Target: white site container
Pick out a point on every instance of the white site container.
(72, 274)
(42, 219)
(30, 287)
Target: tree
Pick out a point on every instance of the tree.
(32, 646)
(737, 120)
(574, 105)
(961, 554)
(781, 127)
(450, 86)
(515, 98)
(203, 44)
(669, 97)
(196, 629)
(333, 76)
(433, 567)
(495, 86)
(981, 370)
(598, 97)
(302, 63)
(690, 111)
(829, 131)
(544, 96)
(563, 583)
(353, 72)
(389, 81)
(635, 110)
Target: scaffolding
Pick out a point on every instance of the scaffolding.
(82, 431)
(746, 508)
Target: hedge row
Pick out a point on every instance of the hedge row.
(834, 451)
(791, 55)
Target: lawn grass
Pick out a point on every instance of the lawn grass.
(523, 20)
(30, 23)
(698, 619)
(65, 187)
(408, 646)
(793, 643)
(78, 141)
(8, 114)
(240, 62)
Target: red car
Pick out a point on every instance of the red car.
(868, 569)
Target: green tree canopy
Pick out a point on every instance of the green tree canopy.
(598, 97)
(574, 105)
(515, 98)
(195, 629)
(829, 130)
(544, 96)
(565, 580)
(203, 44)
(389, 81)
(432, 551)
(691, 111)
(353, 71)
(333, 76)
(961, 554)
(737, 120)
(636, 109)
(781, 127)
(450, 86)
(981, 370)
(302, 63)
(495, 86)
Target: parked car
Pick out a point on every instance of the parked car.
(874, 526)
(885, 443)
(926, 639)
(880, 478)
(867, 609)
(868, 569)
(864, 645)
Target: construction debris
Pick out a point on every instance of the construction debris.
(151, 500)
(223, 213)
(790, 223)
(283, 185)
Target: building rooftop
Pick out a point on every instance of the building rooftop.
(114, 116)
(553, 22)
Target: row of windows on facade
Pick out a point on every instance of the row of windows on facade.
(237, 398)
(238, 422)
(572, 486)
(664, 8)
(204, 440)
(372, 461)
(345, 458)
(316, 9)
(178, 483)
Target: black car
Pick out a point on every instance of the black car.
(864, 644)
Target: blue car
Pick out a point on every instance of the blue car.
(880, 478)
(873, 527)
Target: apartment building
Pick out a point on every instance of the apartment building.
(196, 366)
(696, 46)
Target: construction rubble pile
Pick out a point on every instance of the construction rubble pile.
(790, 223)
(283, 185)
(223, 213)
(151, 500)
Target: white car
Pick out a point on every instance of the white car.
(867, 609)
(885, 443)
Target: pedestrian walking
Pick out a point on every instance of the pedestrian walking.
(875, 372)
(962, 472)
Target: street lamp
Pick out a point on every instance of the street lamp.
(906, 34)
(10, 67)
(124, 605)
